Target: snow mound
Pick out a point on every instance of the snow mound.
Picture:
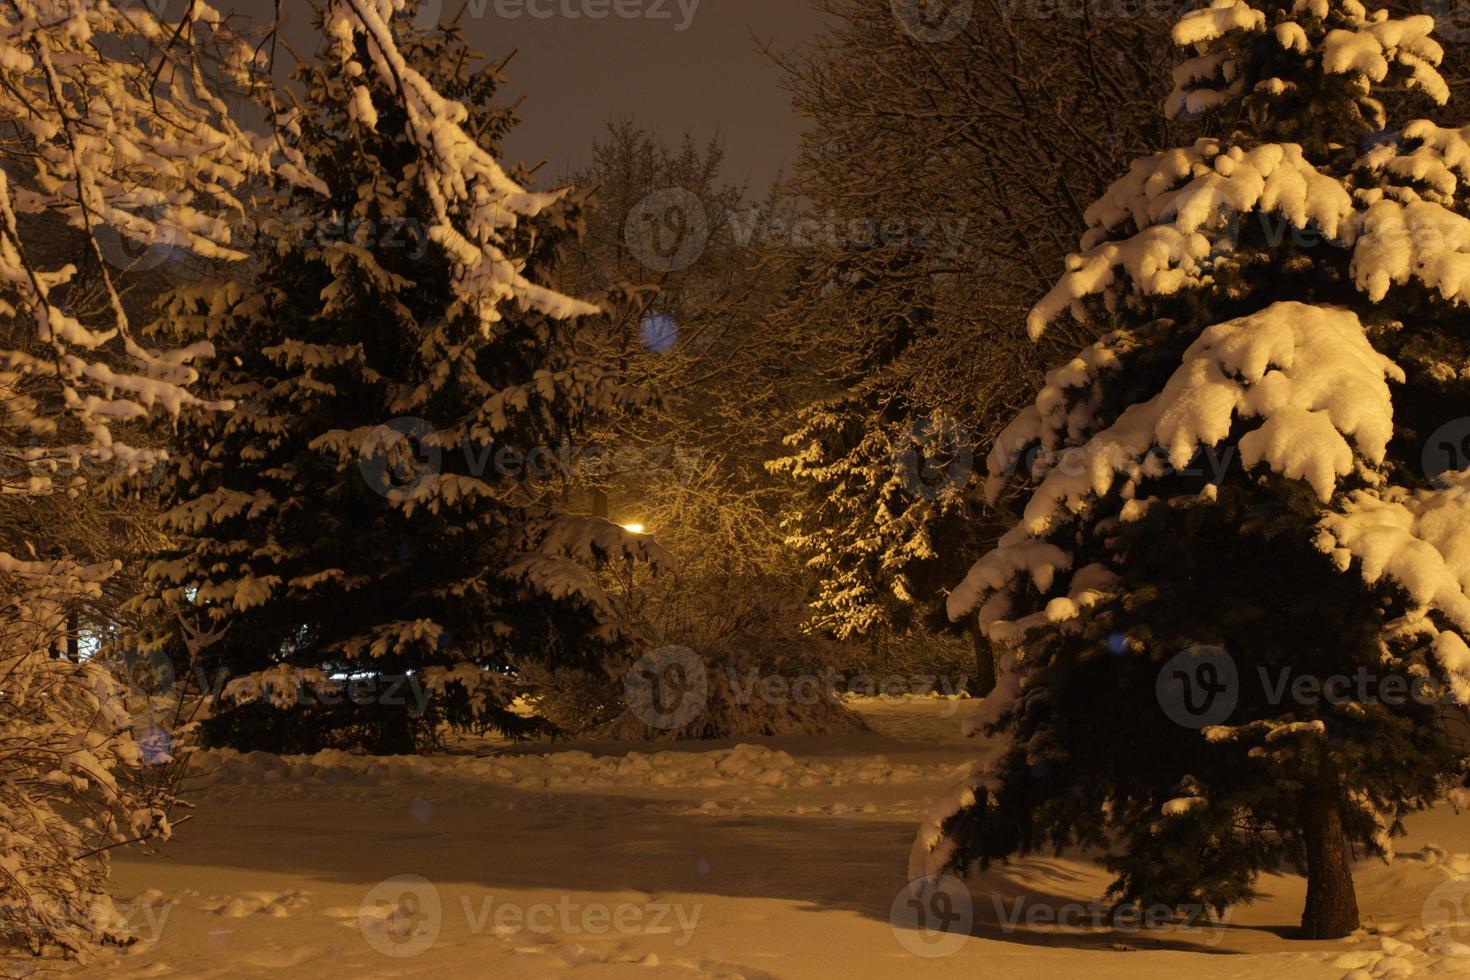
(277, 905)
(1399, 950)
(744, 766)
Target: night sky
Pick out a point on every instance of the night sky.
(686, 65)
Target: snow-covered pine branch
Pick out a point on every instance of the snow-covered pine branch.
(474, 201)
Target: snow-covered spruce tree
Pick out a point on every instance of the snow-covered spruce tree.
(112, 134)
(1236, 465)
(394, 321)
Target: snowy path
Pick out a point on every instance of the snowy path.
(781, 860)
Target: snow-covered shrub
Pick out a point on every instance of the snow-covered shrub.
(68, 763)
(737, 597)
(940, 245)
(575, 700)
(689, 468)
(915, 652)
(113, 135)
(737, 699)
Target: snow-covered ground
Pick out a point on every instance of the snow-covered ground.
(778, 858)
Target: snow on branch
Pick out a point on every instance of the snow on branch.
(137, 147)
(1415, 539)
(1308, 373)
(114, 130)
(1314, 40)
(1156, 230)
(475, 203)
(1173, 206)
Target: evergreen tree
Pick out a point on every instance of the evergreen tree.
(1224, 495)
(378, 523)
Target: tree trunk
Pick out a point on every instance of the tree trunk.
(878, 648)
(395, 732)
(985, 676)
(1332, 905)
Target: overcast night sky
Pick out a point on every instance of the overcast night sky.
(692, 65)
